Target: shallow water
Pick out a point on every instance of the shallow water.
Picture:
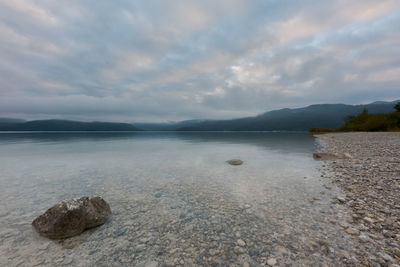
(175, 200)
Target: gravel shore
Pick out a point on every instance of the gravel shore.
(371, 182)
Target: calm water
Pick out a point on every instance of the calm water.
(175, 200)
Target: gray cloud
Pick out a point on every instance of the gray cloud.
(174, 60)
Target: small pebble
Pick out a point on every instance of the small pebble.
(271, 261)
(241, 243)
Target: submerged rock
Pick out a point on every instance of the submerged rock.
(330, 156)
(235, 161)
(72, 217)
(341, 199)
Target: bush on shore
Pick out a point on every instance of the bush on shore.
(366, 122)
(397, 107)
(322, 130)
(372, 122)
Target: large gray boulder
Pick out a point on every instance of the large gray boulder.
(72, 217)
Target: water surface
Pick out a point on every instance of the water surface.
(175, 200)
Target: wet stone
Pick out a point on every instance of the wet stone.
(67, 261)
(386, 257)
(341, 199)
(272, 261)
(71, 217)
(235, 162)
(119, 233)
(241, 243)
(151, 264)
(140, 248)
(330, 156)
(93, 251)
(44, 246)
(213, 252)
(364, 238)
(239, 250)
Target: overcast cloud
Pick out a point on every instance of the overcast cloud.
(188, 59)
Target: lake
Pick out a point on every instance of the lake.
(175, 200)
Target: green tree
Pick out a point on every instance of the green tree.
(349, 119)
(364, 112)
(397, 107)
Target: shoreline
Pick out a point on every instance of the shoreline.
(370, 180)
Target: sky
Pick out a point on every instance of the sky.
(159, 61)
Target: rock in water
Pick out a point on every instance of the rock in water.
(330, 156)
(72, 217)
(235, 162)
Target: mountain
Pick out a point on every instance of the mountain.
(65, 125)
(299, 119)
(11, 120)
(166, 126)
(385, 102)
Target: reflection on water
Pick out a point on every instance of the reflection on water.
(175, 201)
(285, 141)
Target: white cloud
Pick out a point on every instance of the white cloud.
(32, 10)
(385, 75)
(126, 63)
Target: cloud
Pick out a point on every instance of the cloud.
(385, 75)
(35, 12)
(184, 59)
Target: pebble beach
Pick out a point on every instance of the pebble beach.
(370, 180)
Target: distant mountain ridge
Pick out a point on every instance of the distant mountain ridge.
(385, 102)
(301, 119)
(167, 126)
(66, 125)
(11, 120)
(298, 119)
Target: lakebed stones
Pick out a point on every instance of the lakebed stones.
(235, 162)
(72, 217)
(330, 156)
